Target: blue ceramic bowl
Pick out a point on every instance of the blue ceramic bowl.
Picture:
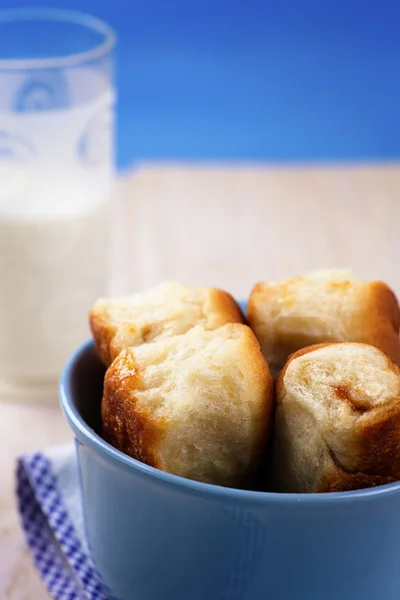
(156, 536)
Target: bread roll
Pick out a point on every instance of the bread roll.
(337, 421)
(324, 306)
(160, 312)
(197, 405)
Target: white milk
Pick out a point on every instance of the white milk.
(55, 183)
(51, 270)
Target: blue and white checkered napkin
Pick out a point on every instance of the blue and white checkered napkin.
(51, 516)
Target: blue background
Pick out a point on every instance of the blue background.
(283, 81)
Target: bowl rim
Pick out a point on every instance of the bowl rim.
(86, 435)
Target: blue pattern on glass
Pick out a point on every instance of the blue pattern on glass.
(43, 91)
(95, 143)
(13, 148)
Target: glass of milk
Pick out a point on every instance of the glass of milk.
(56, 173)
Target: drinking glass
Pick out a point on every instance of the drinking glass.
(56, 172)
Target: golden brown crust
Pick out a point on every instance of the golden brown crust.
(227, 305)
(382, 320)
(337, 480)
(126, 426)
(103, 333)
(380, 443)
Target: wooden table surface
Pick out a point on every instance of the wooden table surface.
(228, 226)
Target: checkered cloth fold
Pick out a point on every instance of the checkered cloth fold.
(52, 521)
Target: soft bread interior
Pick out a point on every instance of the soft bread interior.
(302, 311)
(170, 306)
(326, 395)
(209, 392)
(314, 305)
(342, 379)
(168, 309)
(195, 387)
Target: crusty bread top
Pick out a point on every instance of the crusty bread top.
(323, 306)
(168, 309)
(323, 275)
(198, 405)
(342, 399)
